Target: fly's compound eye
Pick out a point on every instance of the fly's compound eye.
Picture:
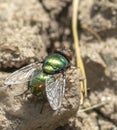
(68, 54)
(65, 52)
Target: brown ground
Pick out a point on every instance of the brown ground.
(31, 29)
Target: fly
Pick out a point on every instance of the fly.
(41, 77)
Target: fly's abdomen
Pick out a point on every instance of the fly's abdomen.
(55, 63)
(37, 83)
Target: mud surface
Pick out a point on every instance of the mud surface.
(30, 30)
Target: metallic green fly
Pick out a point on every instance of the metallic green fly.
(41, 76)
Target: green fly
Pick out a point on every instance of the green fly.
(41, 76)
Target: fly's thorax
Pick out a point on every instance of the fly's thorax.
(37, 83)
(54, 63)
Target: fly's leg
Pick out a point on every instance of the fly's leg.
(69, 104)
(22, 94)
(43, 103)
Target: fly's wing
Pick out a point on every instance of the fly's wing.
(55, 90)
(22, 75)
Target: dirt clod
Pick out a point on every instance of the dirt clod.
(29, 31)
